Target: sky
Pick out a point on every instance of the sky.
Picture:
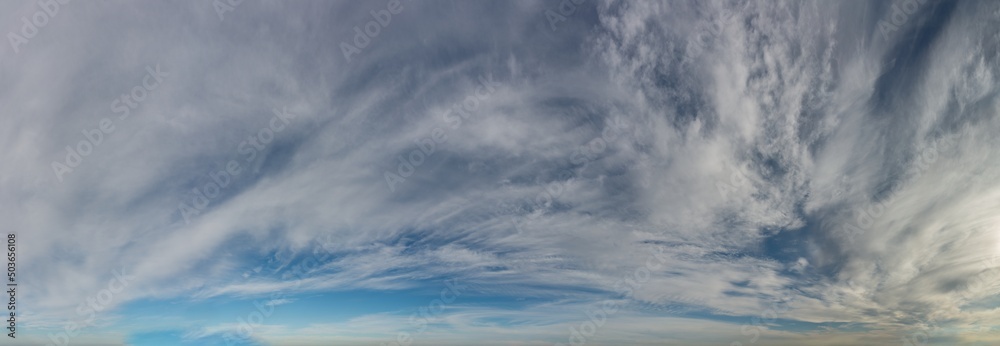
(576, 172)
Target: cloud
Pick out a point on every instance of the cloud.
(764, 151)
